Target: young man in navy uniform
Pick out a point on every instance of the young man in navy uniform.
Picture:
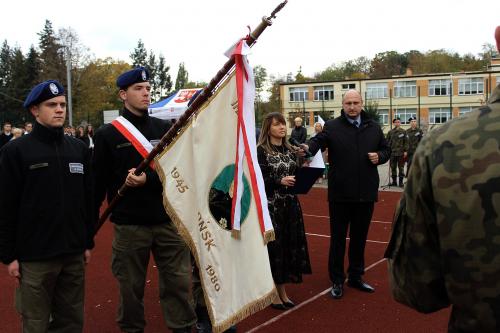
(46, 232)
(140, 221)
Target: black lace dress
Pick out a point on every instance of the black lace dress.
(288, 254)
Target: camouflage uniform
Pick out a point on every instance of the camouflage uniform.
(398, 141)
(414, 137)
(445, 244)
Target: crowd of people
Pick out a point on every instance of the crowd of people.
(443, 251)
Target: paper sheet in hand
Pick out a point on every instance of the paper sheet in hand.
(307, 176)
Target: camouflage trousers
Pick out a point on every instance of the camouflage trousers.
(132, 246)
(397, 163)
(50, 295)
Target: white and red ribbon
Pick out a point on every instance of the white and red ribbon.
(246, 146)
(134, 136)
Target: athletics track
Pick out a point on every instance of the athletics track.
(316, 311)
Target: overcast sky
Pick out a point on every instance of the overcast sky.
(313, 34)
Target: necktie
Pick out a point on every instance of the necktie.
(355, 123)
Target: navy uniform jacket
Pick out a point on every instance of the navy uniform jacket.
(45, 196)
(351, 176)
(114, 155)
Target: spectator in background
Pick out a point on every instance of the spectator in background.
(445, 244)
(414, 135)
(299, 132)
(398, 141)
(80, 133)
(28, 127)
(6, 133)
(16, 133)
(317, 129)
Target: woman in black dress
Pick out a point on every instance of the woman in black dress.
(288, 253)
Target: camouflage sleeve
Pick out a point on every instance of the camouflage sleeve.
(413, 253)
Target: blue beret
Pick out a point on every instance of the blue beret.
(138, 74)
(42, 92)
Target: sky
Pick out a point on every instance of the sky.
(307, 34)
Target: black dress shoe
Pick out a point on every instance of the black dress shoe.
(289, 304)
(278, 306)
(360, 285)
(337, 290)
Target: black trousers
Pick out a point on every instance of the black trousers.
(356, 216)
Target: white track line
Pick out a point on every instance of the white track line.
(326, 236)
(302, 304)
(328, 217)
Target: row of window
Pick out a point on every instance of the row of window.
(379, 90)
(436, 115)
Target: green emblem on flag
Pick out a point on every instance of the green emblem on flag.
(221, 197)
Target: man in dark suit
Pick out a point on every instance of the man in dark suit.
(356, 145)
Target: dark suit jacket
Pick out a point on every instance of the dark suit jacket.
(351, 176)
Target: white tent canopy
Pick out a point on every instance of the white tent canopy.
(173, 106)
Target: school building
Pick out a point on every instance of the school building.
(432, 98)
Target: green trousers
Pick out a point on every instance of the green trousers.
(132, 245)
(50, 295)
(397, 164)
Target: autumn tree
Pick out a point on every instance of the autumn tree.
(182, 77)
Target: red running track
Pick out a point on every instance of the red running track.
(316, 311)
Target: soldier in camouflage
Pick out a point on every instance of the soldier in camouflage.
(445, 244)
(414, 135)
(398, 141)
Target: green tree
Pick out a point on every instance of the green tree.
(97, 90)
(139, 55)
(182, 77)
(163, 80)
(260, 76)
(52, 64)
(371, 109)
(386, 64)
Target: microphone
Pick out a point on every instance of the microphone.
(294, 142)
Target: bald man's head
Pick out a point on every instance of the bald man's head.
(351, 93)
(497, 37)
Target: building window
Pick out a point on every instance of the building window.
(298, 94)
(348, 86)
(439, 115)
(376, 90)
(405, 89)
(440, 87)
(323, 93)
(384, 117)
(463, 110)
(405, 115)
(471, 86)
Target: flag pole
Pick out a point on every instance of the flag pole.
(195, 105)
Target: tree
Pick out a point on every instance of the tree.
(139, 55)
(182, 77)
(52, 65)
(260, 76)
(387, 64)
(97, 90)
(371, 109)
(32, 67)
(163, 81)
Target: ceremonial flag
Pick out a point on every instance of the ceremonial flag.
(210, 174)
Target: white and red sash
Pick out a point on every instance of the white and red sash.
(134, 136)
(246, 146)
